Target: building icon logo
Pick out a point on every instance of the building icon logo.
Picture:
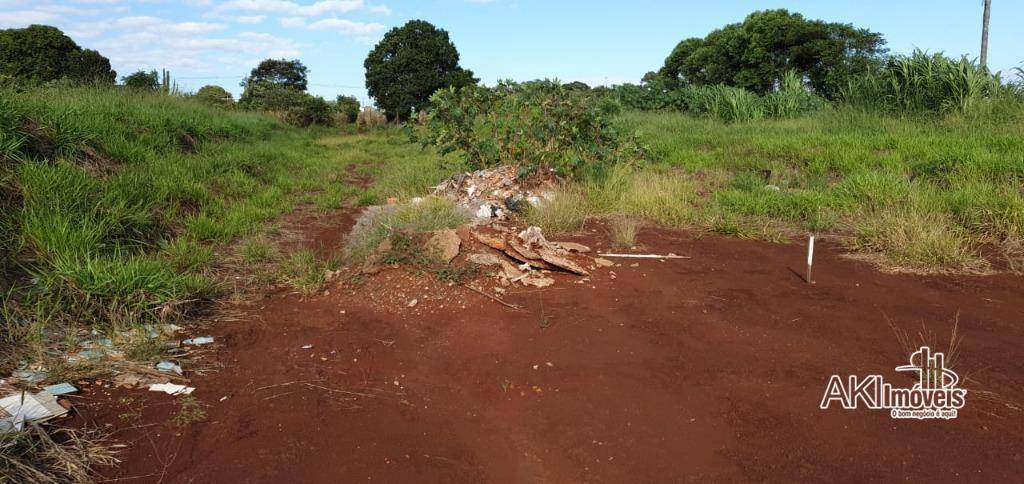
(935, 395)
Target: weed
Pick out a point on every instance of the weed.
(190, 411)
(622, 230)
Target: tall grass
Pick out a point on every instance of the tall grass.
(923, 82)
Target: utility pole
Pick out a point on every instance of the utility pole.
(984, 33)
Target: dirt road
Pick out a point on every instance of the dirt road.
(710, 368)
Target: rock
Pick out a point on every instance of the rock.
(485, 259)
(446, 243)
(603, 262)
(571, 247)
(537, 281)
(549, 256)
(533, 237)
(497, 243)
(413, 303)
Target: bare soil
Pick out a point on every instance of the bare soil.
(710, 368)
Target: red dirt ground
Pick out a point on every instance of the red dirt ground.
(709, 369)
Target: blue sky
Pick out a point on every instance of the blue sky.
(597, 41)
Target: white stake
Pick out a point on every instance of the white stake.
(810, 259)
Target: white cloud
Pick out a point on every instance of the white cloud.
(24, 18)
(347, 27)
(293, 22)
(288, 7)
(381, 9)
(250, 19)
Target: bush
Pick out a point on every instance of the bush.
(295, 107)
(142, 80)
(534, 125)
(214, 96)
(348, 106)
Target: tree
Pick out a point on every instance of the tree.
(409, 64)
(289, 73)
(577, 86)
(756, 53)
(349, 106)
(142, 81)
(214, 96)
(40, 53)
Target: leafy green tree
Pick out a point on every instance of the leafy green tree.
(214, 96)
(142, 81)
(577, 86)
(348, 106)
(289, 73)
(40, 53)
(757, 53)
(409, 64)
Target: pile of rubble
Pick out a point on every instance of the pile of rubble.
(527, 257)
(491, 193)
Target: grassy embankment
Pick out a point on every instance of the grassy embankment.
(921, 193)
(117, 207)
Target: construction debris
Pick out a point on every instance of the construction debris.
(445, 243)
(647, 256)
(491, 193)
(201, 340)
(22, 407)
(169, 366)
(60, 389)
(171, 388)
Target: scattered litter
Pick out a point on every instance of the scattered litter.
(60, 389)
(21, 407)
(647, 256)
(31, 376)
(492, 193)
(171, 388)
(223, 398)
(169, 366)
(202, 340)
(306, 347)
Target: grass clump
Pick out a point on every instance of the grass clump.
(34, 455)
(384, 222)
(304, 271)
(622, 230)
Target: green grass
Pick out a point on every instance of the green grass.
(114, 203)
(924, 193)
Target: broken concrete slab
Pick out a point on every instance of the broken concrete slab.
(445, 243)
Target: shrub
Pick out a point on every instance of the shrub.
(292, 105)
(348, 106)
(214, 96)
(142, 80)
(534, 125)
